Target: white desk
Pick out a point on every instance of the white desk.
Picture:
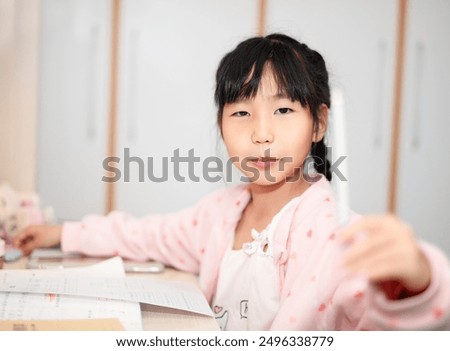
(155, 317)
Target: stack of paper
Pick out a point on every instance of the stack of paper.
(19, 299)
(98, 291)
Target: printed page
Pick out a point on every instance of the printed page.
(29, 304)
(177, 295)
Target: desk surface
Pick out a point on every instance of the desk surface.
(156, 317)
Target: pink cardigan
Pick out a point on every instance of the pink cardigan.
(317, 293)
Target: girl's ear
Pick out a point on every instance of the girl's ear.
(322, 126)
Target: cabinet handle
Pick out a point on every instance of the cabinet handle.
(417, 101)
(381, 69)
(92, 81)
(132, 91)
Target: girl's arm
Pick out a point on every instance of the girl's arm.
(388, 254)
(394, 306)
(410, 279)
(176, 239)
(35, 236)
(321, 292)
(401, 283)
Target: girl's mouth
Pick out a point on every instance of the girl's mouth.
(263, 162)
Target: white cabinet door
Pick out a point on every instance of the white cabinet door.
(170, 50)
(74, 67)
(357, 40)
(424, 172)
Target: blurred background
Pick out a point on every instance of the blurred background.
(81, 80)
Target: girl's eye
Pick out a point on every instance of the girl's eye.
(240, 114)
(283, 110)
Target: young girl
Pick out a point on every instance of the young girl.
(270, 254)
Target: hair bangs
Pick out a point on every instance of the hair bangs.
(240, 72)
(290, 75)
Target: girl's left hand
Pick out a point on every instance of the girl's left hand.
(387, 252)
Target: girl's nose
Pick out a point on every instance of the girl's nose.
(262, 132)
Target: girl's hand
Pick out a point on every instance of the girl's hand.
(387, 252)
(36, 236)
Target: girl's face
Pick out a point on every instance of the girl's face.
(269, 136)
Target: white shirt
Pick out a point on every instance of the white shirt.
(247, 296)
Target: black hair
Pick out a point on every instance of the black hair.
(299, 72)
